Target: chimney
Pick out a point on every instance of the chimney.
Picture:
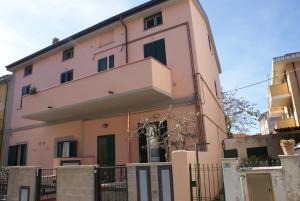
(55, 40)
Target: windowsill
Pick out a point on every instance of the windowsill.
(152, 27)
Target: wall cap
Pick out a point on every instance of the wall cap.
(148, 164)
(289, 156)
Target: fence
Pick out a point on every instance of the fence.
(206, 182)
(3, 183)
(111, 183)
(259, 163)
(46, 185)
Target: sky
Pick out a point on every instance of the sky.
(247, 33)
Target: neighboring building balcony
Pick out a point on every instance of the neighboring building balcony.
(134, 86)
(285, 123)
(279, 95)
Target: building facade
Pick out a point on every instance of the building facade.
(5, 89)
(284, 91)
(77, 100)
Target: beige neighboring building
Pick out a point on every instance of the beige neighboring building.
(284, 91)
(4, 105)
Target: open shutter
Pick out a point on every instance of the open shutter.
(111, 150)
(160, 51)
(59, 150)
(73, 149)
(23, 154)
(12, 156)
(63, 78)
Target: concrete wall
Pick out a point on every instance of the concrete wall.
(75, 183)
(21, 176)
(285, 179)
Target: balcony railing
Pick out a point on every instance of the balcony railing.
(279, 95)
(121, 89)
(285, 123)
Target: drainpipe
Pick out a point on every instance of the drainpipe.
(200, 122)
(126, 38)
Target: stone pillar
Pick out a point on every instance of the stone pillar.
(232, 180)
(18, 177)
(291, 172)
(76, 183)
(131, 177)
(181, 176)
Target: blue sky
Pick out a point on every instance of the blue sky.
(248, 33)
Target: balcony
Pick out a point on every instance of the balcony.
(134, 86)
(285, 123)
(279, 95)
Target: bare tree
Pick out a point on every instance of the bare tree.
(180, 130)
(241, 115)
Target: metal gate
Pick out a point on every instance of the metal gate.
(206, 182)
(111, 183)
(46, 185)
(3, 183)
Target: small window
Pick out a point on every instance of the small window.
(153, 20)
(111, 59)
(258, 152)
(216, 89)
(17, 155)
(102, 64)
(68, 54)
(66, 76)
(28, 70)
(26, 90)
(66, 149)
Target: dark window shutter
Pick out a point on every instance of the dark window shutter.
(111, 150)
(62, 78)
(111, 61)
(59, 150)
(23, 149)
(73, 149)
(70, 75)
(12, 155)
(102, 64)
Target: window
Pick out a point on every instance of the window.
(231, 153)
(111, 59)
(66, 149)
(68, 54)
(259, 152)
(153, 20)
(156, 50)
(104, 62)
(28, 70)
(17, 155)
(26, 90)
(66, 76)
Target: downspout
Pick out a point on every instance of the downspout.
(3, 122)
(296, 75)
(199, 110)
(126, 38)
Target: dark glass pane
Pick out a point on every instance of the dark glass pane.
(12, 155)
(159, 20)
(63, 78)
(156, 50)
(25, 90)
(259, 152)
(28, 70)
(232, 153)
(102, 64)
(111, 61)
(73, 149)
(150, 23)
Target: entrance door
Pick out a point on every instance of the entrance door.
(106, 150)
(260, 187)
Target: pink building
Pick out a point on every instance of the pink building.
(75, 100)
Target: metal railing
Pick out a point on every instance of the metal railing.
(250, 163)
(206, 181)
(111, 183)
(3, 183)
(46, 184)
